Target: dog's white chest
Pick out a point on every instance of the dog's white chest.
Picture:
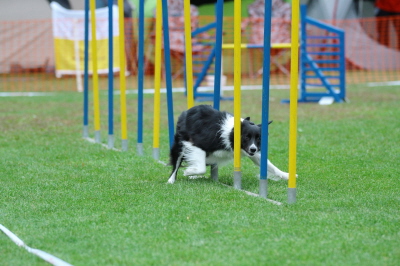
(221, 157)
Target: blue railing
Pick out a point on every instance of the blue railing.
(322, 62)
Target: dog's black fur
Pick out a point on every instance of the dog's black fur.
(205, 128)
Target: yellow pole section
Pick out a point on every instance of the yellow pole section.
(246, 45)
(237, 82)
(294, 72)
(122, 66)
(96, 98)
(188, 54)
(157, 77)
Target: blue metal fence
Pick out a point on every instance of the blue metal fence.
(323, 63)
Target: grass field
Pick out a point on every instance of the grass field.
(92, 206)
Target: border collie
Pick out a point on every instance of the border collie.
(204, 136)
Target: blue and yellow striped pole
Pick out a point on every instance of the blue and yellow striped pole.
(294, 78)
(157, 83)
(237, 181)
(96, 97)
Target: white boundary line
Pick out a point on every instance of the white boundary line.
(200, 89)
(388, 83)
(24, 94)
(91, 140)
(254, 195)
(44, 255)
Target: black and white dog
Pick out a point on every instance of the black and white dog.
(204, 136)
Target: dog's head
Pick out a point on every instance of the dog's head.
(251, 137)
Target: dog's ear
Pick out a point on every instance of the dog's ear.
(268, 123)
(247, 118)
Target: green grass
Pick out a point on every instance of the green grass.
(92, 206)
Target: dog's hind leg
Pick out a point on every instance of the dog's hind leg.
(175, 166)
(176, 157)
(196, 159)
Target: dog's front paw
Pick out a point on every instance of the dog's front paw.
(285, 176)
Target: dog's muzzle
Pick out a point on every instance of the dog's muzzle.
(252, 150)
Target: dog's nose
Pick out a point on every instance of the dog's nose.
(253, 149)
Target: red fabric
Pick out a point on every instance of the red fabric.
(388, 5)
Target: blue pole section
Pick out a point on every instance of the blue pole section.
(140, 79)
(110, 77)
(218, 53)
(342, 66)
(168, 77)
(265, 98)
(86, 74)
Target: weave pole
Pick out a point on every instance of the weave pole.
(188, 54)
(86, 75)
(218, 53)
(294, 74)
(237, 175)
(157, 83)
(217, 68)
(110, 77)
(265, 99)
(122, 77)
(139, 144)
(96, 97)
(168, 76)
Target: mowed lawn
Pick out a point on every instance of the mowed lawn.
(91, 206)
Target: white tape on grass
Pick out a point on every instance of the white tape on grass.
(102, 144)
(388, 83)
(44, 255)
(24, 94)
(256, 195)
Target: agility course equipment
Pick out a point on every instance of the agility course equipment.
(96, 100)
(157, 84)
(321, 61)
(124, 135)
(265, 99)
(162, 20)
(110, 78)
(237, 177)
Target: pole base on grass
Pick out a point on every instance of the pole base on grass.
(237, 179)
(156, 154)
(110, 141)
(139, 147)
(263, 188)
(124, 145)
(97, 136)
(214, 172)
(291, 195)
(85, 132)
